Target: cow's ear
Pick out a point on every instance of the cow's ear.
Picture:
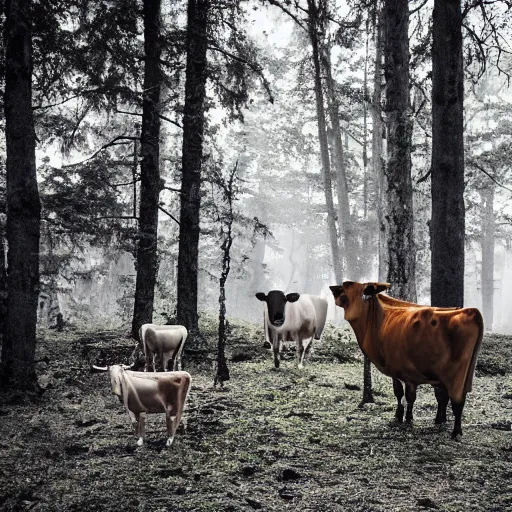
(336, 290)
(293, 297)
(375, 288)
(261, 296)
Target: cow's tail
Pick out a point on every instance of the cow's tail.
(469, 376)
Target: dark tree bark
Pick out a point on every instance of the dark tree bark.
(3, 278)
(488, 229)
(147, 255)
(322, 135)
(401, 247)
(229, 196)
(377, 149)
(193, 130)
(448, 222)
(23, 204)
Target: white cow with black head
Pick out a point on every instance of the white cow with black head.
(293, 317)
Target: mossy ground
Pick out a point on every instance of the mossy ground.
(270, 440)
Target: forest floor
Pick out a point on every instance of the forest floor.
(270, 440)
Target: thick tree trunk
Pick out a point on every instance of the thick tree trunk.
(377, 150)
(448, 222)
(23, 204)
(193, 130)
(322, 135)
(345, 221)
(487, 195)
(401, 247)
(147, 250)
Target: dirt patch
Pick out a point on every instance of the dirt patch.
(271, 440)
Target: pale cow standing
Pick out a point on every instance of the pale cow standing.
(293, 317)
(150, 393)
(163, 341)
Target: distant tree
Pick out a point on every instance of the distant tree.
(192, 156)
(226, 217)
(313, 21)
(23, 204)
(400, 214)
(147, 255)
(448, 214)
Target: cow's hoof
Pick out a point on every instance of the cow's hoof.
(140, 441)
(301, 366)
(169, 441)
(440, 421)
(457, 436)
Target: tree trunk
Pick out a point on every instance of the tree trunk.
(193, 130)
(322, 135)
(377, 150)
(222, 366)
(487, 195)
(3, 279)
(23, 204)
(147, 251)
(448, 222)
(401, 247)
(345, 220)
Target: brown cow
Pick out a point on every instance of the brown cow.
(415, 344)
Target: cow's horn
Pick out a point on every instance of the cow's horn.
(127, 366)
(100, 368)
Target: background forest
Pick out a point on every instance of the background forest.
(163, 161)
(181, 147)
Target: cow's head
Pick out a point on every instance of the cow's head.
(115, 371)
(355, 297)
(276, 301)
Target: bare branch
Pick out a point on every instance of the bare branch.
(169, 214)
(287, 11)
(480, 168)
(175, 123)
(415, 10)
(113, 142)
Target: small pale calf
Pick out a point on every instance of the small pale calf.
(149, 393)
(164, 341)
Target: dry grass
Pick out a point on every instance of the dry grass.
(271, 440)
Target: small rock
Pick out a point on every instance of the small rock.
(248, 470)
(254, 503)
(426, 502)
(502, 425)
(76, 449)
(289, 474)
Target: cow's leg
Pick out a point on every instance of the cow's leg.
(149, 361)
(305, 344)
(171, 428)
(275, 346)
(457, 408)
(165, 361)
(141, 428)
(399, 393)
(442, 402)
(300, 353)
(410, 396)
